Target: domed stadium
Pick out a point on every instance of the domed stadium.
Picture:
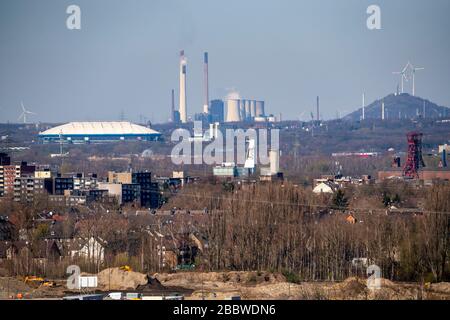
(91, 132)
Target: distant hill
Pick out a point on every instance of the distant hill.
(400, 106)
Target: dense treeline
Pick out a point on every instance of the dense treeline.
(272, 227)
(290, 230)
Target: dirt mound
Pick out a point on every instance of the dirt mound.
(233, 277)
(116, 279)
(352, 286)
(153, 284)
(443, 287)
(387, 283)
(3, 272)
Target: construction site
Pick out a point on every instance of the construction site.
(120, 284)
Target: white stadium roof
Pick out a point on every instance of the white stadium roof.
(99, 128)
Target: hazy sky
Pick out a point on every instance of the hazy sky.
(285, 52)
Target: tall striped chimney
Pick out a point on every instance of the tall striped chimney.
(183, 106)
(206, 83)
(172, 108)
(318, 109)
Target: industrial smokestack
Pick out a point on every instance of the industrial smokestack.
(382, 110)
(206, 83)
(183, 103)
(318, 109)
(172, 108)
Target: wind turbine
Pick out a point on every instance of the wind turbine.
(363, 106)
(403, 75)
(301, 115)
(414, 69)
(24, 114)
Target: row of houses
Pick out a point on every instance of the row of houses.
(51, 247)
(168, 249)
(331, 183)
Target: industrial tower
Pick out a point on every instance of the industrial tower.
(183, 103)
(414, 160)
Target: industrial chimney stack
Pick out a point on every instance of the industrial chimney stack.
(318, 109)
(206, 84)
(183, 107)
(172, 108)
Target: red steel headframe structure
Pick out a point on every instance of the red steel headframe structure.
(414, 161)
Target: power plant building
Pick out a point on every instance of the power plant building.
(217, 111)
(87, 132)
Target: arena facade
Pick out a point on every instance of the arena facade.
(95, 132)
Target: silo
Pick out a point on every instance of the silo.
(253, 108)
(233, 110)
(274, 156)
(260, 109)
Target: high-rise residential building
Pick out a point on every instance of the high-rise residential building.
(8, 173)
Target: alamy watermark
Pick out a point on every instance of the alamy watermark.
(73, 21)
(374, 19)
(374, 277)
(76, 281)
(238, 146)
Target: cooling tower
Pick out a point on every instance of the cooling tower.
(182, 107)
(274, 156)
(248, 113)
(252, 108)
(259, 109)
(233, 110)
(242, 112)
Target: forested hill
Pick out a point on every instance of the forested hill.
(400, 106)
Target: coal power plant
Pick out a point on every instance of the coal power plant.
(231, 109)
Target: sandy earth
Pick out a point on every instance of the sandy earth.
(252, 285)
(224, 285)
